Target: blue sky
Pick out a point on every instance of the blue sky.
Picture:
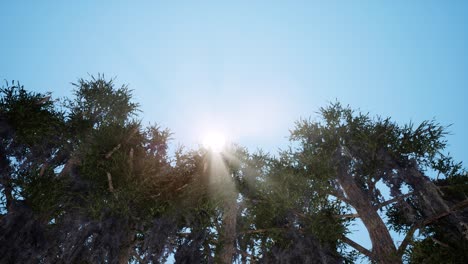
(250, 68)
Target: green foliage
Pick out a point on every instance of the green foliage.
(31, 118)
(103, 187)
(431, 250)
(97, 102)
(44, 193)
(372, 150)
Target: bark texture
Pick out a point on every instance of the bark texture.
(383, 248)
(228, 235)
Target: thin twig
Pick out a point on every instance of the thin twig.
(185, 185)
(439, 242)
(130, 160)
(259, 231)
(109, 154)
(401, 197)
(109, 179)
(347, 216)
(43, 168)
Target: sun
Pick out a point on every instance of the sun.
(214, 141)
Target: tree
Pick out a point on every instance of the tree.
(87, 183)
(350, 157)
(88, 178)
(273, 225)
(82, 181)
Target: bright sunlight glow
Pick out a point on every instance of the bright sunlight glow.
(214, 142)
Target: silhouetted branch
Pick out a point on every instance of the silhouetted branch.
(347, 216)
(358, 247)
(407, 240)
(401, 197)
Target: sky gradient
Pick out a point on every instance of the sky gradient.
(249, 69)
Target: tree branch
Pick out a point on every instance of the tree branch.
(72, 162)
(398, 198)
(180, 188)
(340, 196)
(43, 168)
(347, 216)
(439, 242)
(409, 236)
(247, 255)
(130, 160)
(456, 207)
(407, 240)
(8, 192)
(137, 257)
(358, 247)
(109, 179)
(259, 231)
(109, 154)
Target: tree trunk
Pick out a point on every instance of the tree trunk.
(224, 189)
(383, 248)
(5, 179)
(127, 245)
(228, 232)
(124, 254)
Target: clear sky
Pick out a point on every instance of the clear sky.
(250, 68)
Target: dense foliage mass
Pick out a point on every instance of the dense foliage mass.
(83, 181)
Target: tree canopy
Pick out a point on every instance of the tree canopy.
(83, 181)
